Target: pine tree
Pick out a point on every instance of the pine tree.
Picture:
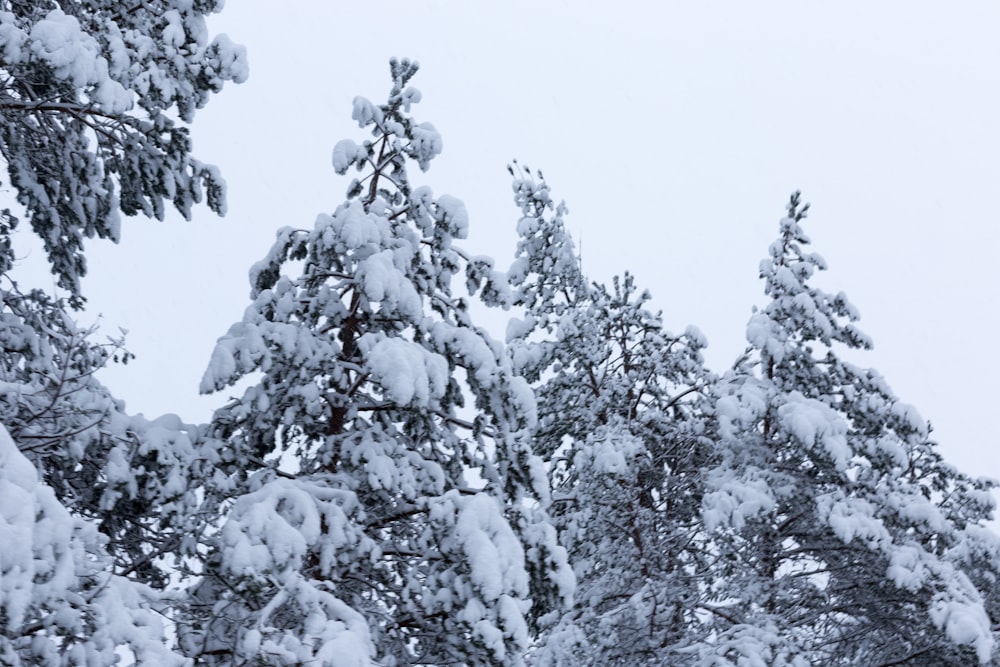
(842, 524)
(91, 93)
(375, 515)
(622, 430)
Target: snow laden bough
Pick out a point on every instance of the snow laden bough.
(375, 515)
(90, 100)
(136, 480)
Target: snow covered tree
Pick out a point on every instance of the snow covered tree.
(91, 92)
(620, 425)
(843, 538)
(374, 515)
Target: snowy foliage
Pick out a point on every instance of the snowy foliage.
(100, 509)
(375, 515)
(90, 97)
(60, 602)
(132, 478)
(792, 512)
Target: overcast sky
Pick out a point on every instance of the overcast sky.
(674, 131)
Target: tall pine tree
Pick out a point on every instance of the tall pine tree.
(841, 526)
(626, 442)
(385, 497)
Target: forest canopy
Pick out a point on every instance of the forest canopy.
(395, 484)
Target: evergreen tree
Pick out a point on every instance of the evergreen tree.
(115, 498)
(620, 425)
(843, 527)
(374, 515)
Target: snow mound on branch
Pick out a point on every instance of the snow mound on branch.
(495, 557)
(347, 153)
(75, 56)
(813, 423)
(610, 453)
(269, 536)
(238, 352)
(365, 112)
(851, 518)
(965, 622)
(12, 38)
(763, 334)
(497, 577)
(384, 282)
(747, 645)
(426, 144)
(18, 486)
(454, 214)
(738, 410)
(736, 499)
(408, 373)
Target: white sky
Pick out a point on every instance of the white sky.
(675, 132)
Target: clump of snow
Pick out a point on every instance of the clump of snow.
(523, 401)
(12, 38)
(352, 227)
(736, 498)
(852, 517)
(746, 645)
(761, 333)
(18, 486)
(739, 409)
(965, 622)
(426, 144)
(238, 352)
(408, 373)
(910, 417)
(609, 453)
(496, 571)
(812, 423)
(366, 113)
(231, 59)
(907, 567)
(347, 153)
(75, 56)
(454, 214)
(272, 529)
(55, 575)
(478, 355)
(518, 328)
(914, 507)
(410, 96)
(381, 280)
(696, 336)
